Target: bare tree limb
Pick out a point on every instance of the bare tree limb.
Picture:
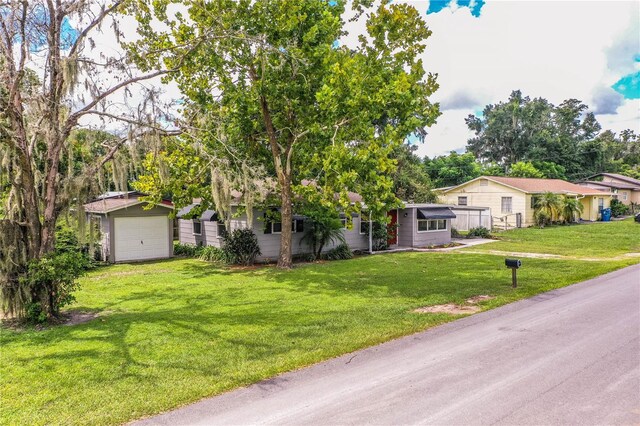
(91, 26)
(73, 118)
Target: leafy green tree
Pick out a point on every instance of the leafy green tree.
(509, 131)
(452, 169)
(571, 209)
(492, 169)
(525, 170)
(411, 181)
(269, 89)
(550, 170)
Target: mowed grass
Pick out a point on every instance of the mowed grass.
(594, 240)
(173, 332)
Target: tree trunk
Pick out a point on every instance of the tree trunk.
(286, 214)
(31, 211)
(51, 194)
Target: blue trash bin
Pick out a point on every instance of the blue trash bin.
(606, 215)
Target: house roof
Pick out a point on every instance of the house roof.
(623, 178)
(617, 185)
(107, 204)
(537, 186)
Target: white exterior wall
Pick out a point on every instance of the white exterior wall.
(491, 196)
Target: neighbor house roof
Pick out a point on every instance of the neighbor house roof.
(624, 178)
(537, 186)
(108, 203)
(617, 185)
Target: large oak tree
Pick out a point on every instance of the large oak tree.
(271, 87)
(51, 79)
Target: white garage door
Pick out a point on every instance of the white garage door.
(139, 238)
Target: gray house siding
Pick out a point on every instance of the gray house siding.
(406, 225)
(207, 237)
(429, 238)
(409, 236)
(269, 243)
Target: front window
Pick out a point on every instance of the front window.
(364, 226)
(534, 201)
(197, 227)
(297, 225)
(462, 201)
(426, 225)
(343, 220)
(506, 204)
(600, 203)
(222, 230)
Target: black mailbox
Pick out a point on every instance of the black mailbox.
(512, 263)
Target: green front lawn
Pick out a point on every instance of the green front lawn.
(600, 239)
(172, 332)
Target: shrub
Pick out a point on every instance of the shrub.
(51, 281)
(67, 241)
(618, 208)
(187, 250)
(339, 253)
(322, 228)
(542, 218)
(242, 246)
(479, 232)
(215, 254)
(455, 233)
(304, 257)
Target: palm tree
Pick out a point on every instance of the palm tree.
(547, 208)
(321, 230)
(571, 208)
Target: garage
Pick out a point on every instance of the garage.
(141, 238)
(131, 229)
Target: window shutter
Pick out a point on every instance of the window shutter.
(299, 225)
(267, 224)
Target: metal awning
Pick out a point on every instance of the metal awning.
(436, 213)
(209, 215)
(185, 210)
(206, 215)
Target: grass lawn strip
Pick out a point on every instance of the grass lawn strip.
(596, 240)
(173, 332)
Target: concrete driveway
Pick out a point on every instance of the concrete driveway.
(570, 356)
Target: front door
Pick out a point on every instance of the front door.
(392, 227)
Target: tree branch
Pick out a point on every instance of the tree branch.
(91, 26)
(125, 119)
(73, 118)
(109, 155)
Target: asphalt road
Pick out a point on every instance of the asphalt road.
(570, 356)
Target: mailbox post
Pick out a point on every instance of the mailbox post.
(514, 264)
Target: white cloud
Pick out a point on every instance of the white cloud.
(606, 100)
(555, 50)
